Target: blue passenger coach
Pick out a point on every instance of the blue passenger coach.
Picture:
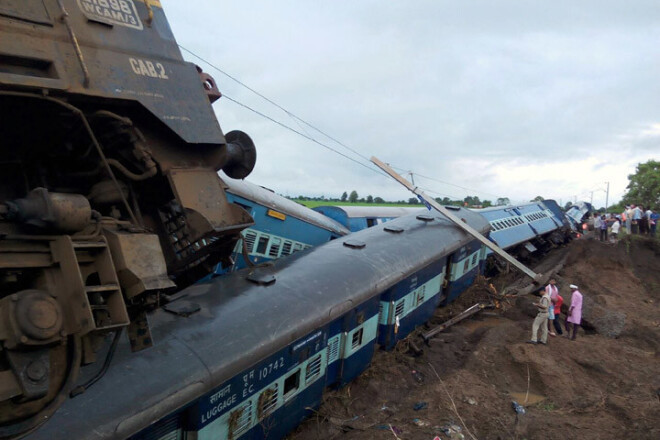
(254, 361)
(521, 229)
(357, 218)
(282, 226)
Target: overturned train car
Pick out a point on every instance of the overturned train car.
(250, 354)
(109, 193)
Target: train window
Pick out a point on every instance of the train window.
(420, 295)
(267, 401)
(466, 265)
(474, 259)
(291, 385)
(262, 245)
(240, 420)
(356, 341)
(371, 222)
(274, 250)
(313, 370)
(286, 247)
(250, 238)
(248, 208)
(297, 247)
(400, 307)
(333, 349)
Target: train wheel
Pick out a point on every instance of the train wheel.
(19, 416)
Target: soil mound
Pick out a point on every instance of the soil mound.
(604, 385)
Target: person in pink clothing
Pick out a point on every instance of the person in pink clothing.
(574, 312)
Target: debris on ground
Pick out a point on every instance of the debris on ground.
(600, 386)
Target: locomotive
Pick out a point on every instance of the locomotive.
(110, 199)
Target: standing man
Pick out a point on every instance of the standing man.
(636, 218)
(629, 213)
(596, 224)
(541, 320)
(655, 217)
(615, 230)
(552, 291)
(603, 228)
(574, 312)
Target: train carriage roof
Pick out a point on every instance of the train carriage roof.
(270, 199)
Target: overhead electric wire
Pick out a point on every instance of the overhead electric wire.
(305, 135)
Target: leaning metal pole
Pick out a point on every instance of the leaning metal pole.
(430, 203)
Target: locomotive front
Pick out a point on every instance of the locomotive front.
(109, 192)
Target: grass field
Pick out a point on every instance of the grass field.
(315, 203)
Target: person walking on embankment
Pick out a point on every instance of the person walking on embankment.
(574, 313)
(541, 320)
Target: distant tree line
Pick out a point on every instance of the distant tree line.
(354, 197)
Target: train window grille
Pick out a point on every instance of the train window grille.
(267, 401)
(333, 349)
(168, 428)
(356, 339)
(420, 295)
(291, 385)
(262, 244)
(466, 265)
(313, 369)
(298, 247)
(474, 259)
(240, 420)
(380, 312)
(250, 238)
(400, 307)
(286, 247)
(275, 245)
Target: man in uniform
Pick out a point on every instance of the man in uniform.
(541, 320)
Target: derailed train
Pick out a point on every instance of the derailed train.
(110, 202)
(248, 355)
(109, 192)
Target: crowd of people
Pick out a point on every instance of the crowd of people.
(634, 219)
(549, 314)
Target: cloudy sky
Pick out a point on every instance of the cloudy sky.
(489, 98)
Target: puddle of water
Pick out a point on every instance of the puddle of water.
(532, 399)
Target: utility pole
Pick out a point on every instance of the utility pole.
(607, 195)
(412, 178)
(592, 198)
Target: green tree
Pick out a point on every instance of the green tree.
(567, 206)
(486, 203)
(472, 200)
(378, 200)
(537, 199)
(644, 186)
(370, 199)
(344, 196)
(502, 201)
(413, 201)
(353, 197)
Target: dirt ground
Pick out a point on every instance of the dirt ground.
(464, 383)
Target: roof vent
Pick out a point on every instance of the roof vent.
(393, 229)
(261, 278)
(355, 244)
(425, 217)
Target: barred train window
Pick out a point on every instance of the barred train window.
(398, 311)
(240, 420)
(274, 251)
(313, 370)
(267, 401)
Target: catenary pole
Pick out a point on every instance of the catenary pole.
(430, 203)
